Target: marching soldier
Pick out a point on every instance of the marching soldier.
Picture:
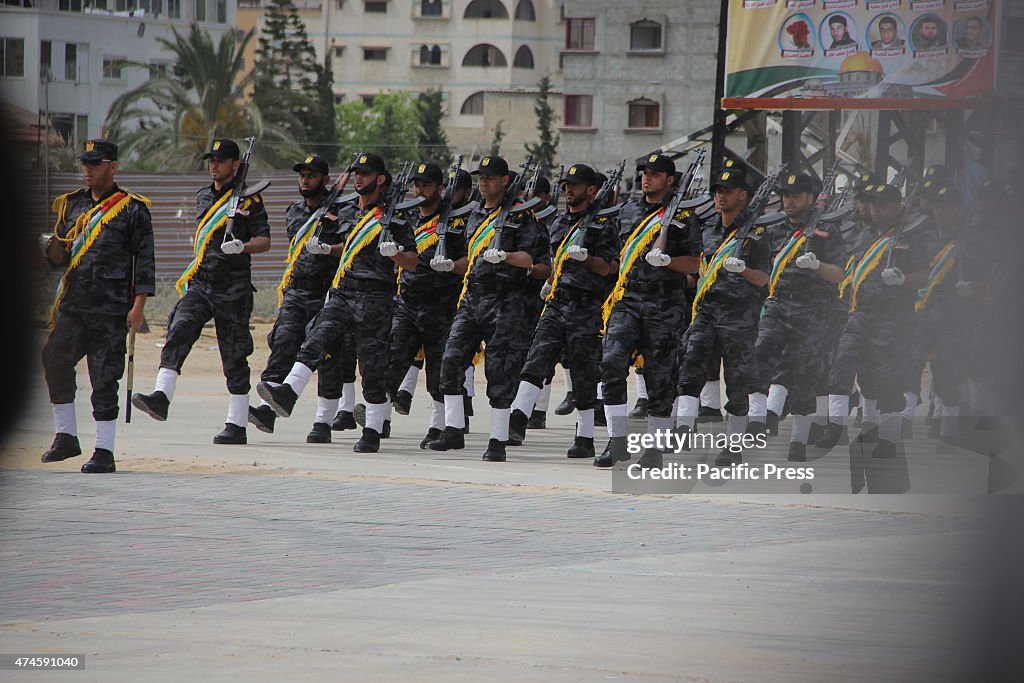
(217, 284)
(647, 307)
(490, 310)
(311, 263)
(428, 296)
(726, 308)
(801, 289)
(572, 319)
(361, 305)
(104, 240)
(873, 347)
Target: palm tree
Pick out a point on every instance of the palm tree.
(169, 122)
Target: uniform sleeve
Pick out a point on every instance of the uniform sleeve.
(258, 221)
(606, 245)
(834, 251)
(455, 239)
(758, 254)
(141, 243)
(543, 247)
(527, 237)
(402, 232)
(685, 240)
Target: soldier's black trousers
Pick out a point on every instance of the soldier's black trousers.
(298, 308)
(790, 337)
(649, 325)
(99, 338)
(496, 319)
(944, 341)
(354, 319)
(230, 307)
(874, 349)
(416, 325)
(729, 330)
(569, 331)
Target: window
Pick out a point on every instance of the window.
(523, 58)
(431, 8)
(375, 7)
(525, 11)
(338, 99)
(200, 10)
(645, 35)
(222, 11)
(474, 104)
(339, 50)
(174, 9)
(81, 128)
(485, 9)
(13, 58)
(72, 127)
(579, 34)
(158, 69)
(484, 54)
(368, 100)
(113, 68)
(70, 5)
(644, 113)
(46, 60)
(579, 111)
(70, 62)
(430, 55)
(375, 54)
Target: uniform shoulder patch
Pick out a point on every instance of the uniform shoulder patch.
(138, 197)
(758, 230)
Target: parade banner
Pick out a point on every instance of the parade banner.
(836, 54)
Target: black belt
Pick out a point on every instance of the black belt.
(311, 284)
(352, 285)
(655, 287)
(215, 279)
(803, 296)
(495, 287)
(579, 296)
(436, 295)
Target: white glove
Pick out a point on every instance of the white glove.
(315, 246)
(577, 253)
(546, 289)
(893, 277)
(964, 288)
(734, 265)
(808, 261)
(442, 265)
(390, 248)
(233, 247)
(495, 256)
(657, 258)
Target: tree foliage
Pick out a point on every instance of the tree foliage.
(545, 150)
(433, 140)
(169, 122)
(391, 128)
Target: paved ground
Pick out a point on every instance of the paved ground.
(282, 561)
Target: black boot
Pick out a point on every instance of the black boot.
(815, 433)
(343, 421)
(907, 427)
(231, 435)
(102, 462)
(369, 442)
(402, 402)
(639, 410)
(582, 447)
(614, 452)
(320, 433)
(830, 437)
(651, 459)
(64, 446)
(599, 418)
(433, 434)
(451, 439)
(263, 418)
(709, 414)
(797, 452)
(385, 432)
(465, 430)
(772, 424)
(884, 449)
(755, 427)
(727, 458)
(517, 421)
(281, 397)
(538, 420)
(567, 405)
(155, 405)
(467, 405)
(682, 430)
(495, 451)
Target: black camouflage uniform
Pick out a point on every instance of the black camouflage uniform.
(97, 295)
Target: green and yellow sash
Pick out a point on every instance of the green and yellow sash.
(426, 237)
(851, 263)
(366, 231)
(782, 259)
(295, 247)
(84, 232)
(560, 255)
(710, 270)
(867, 264)
(940, 267)
(481, 238)
(215, 218)
(638, 240)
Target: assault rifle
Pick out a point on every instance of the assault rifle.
(686, 194)
(756, 206)
(395, 194)
(332, 198)
(448, 210)
(509, 204)
(556, 190)
(905, 224)
(240, 192)
(594, 212)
